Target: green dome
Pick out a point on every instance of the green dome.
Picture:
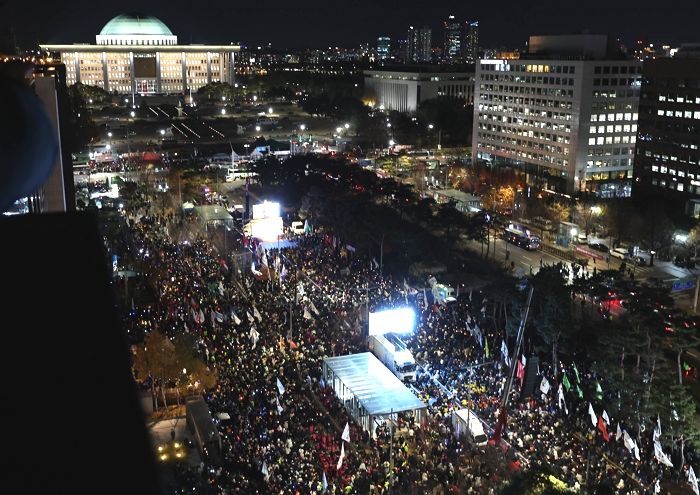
(135, 24)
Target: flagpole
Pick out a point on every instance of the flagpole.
(513, 365)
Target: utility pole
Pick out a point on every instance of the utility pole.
(695, 297)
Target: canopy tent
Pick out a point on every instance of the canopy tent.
(369, 390)
(213, 215)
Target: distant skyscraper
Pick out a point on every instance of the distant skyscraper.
(453, 39)
(471, 42)
(419, 46)
(667, 160)
(383, 47)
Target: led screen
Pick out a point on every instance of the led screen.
(400, 320)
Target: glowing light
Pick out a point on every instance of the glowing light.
(400, 320)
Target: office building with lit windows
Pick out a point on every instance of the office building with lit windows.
(383, 47)
(452, 48)
(667, 159)
(404, 88)
(135, 53)
(565, 114)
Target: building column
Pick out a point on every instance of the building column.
(133, 76)
(158, 89)
(232, 69)
(105, 72)
(184, 73)
(77, 67)
(208, 67)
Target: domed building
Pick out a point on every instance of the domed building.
(138, 54)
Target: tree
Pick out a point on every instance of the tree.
(693, 241)
(551, 315)
(152, 361)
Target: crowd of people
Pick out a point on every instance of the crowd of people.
(265, 333)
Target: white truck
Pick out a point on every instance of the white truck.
(391, 351)
(466, 424)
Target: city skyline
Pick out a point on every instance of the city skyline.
(317, 25)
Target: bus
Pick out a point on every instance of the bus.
(521, 237)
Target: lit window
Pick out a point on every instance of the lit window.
(599, 140)
(591, 141)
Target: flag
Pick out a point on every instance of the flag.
(594, 418)
(375, 265)
(657, 486)
(279, 407)
(598, 391)
(520, 371)
(565, 381)
(254, 335)
(693, 481)
(627, 440)
(504, 353)
(218, 316)
(324, 483)
(346, 433)
(264, 470)
(618, 433)
(578, 379)
(606, 417)
(283, 273)
(561, 400)
(487, 353)
(603, 429)
(280, 387)
(256, 313)
(579, 392)
(661, 456)
(313, 308)
(544, 386)
(307, 314)
(675, 414)
(249, 316)
(636, 451)
(657, 430)
(235, 318)
(342, 455)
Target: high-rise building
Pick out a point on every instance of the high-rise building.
(419, 48)
(667, 159)
(471, 42)
(383, 47)
(453, 40)
(135, 53)
(565, 114)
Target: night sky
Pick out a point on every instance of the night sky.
(316, 23)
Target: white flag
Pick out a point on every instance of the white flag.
(249, 316)
(606, 418)
(235, 318)
(504, 353)
(346, 433)
(544, 386)
(636, 451)
(560, 399)
(307, 314)
(618, 433)
(280, 387)
(657, 429)
(661, 456)
(324, 483)
(594, 418)
(627, 440)
(254, 335)
(279, 408)
(264, 470)
(257, 314)
(313, 308)
(219, 316)
(693, 481)
(657, 486)
(342, 456)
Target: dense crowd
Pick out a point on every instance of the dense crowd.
(283, 435)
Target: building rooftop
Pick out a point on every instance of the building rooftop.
(135, 24)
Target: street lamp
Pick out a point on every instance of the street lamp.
(302, 127)
(162, 132)
(269, 110)
(430, 126)
(223, 111)
(347, 126)
(257, 128)
(133, 114)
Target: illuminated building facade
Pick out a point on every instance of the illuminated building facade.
(404, 89)
(667, 161)
(565, 114)
(135, 53)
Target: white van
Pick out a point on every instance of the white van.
(297, 228)
(466, 424)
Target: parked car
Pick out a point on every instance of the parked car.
(620, 253)
(582, 238)
(599, 247)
